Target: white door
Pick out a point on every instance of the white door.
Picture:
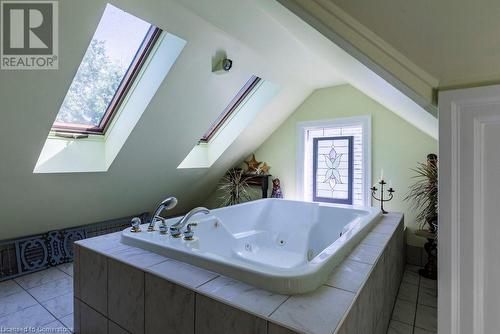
(469, 211)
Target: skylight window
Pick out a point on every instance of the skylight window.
(118, 49)
(231, 108)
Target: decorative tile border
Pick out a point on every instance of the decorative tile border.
(26, 255)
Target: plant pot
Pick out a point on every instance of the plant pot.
(430, 269)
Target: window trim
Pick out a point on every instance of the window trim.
(127, 82)
(350, 181)
(302, 127)
(231, 108)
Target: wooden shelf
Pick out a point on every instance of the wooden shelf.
(261, 180)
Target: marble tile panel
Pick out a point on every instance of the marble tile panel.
(182, 273)
(376, 239)
(243, 296)
(137, 257)
(126, 296)
(60, 306)
(32, 316)
(8, 288)
(53, 327)
(68, 322)
(179, 319)
(318, 312)
(426, 318)
(103, 243)
(66, 268)
(91, 321)
(277, 329)
(115, 329)
(215, 317)
(428, 283)
(385, 227)
(365, 253)
(52, 289)
(427, 297)
(411, 277)
(40, 277)
(408, 292)
(423, 331)
(15, 302)
(396, 327)
(93, 279)
(349, 275)
(404, 311)
(365, 311)
(76, 315)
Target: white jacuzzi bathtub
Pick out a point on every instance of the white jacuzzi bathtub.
(283, 246)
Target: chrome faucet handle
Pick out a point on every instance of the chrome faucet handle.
(163, 228)
(175, 232)
(189, 233)
(136, 224)
(151, 226)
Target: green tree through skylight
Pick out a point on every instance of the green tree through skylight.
(112, 51)
(92, 88)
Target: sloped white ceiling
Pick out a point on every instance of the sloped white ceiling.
(186, 103)
(456, 41)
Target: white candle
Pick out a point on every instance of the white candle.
(381, 174)
(390, 183)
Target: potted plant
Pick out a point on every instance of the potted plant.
(423, 198)
(233, 188)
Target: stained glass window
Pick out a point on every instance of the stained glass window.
(318, 190)
(333, 166)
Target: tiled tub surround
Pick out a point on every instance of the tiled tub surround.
(123, 289)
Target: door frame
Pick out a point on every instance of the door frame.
(451, 106)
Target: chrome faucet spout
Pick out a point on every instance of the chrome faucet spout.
(175, 229)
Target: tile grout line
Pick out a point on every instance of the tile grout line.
(39, 303)
(57, 267)
(22, 290)
(210, 280)
(416, 303)
(277, 307)
(336, 287)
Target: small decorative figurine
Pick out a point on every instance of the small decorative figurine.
(276, 189)
(253, 164)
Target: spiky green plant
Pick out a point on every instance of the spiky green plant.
(423, 194)
(233, 188)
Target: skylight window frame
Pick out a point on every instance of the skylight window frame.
(127, 82)
(231, 108)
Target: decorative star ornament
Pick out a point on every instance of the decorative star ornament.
(264, 169)
(253, 164)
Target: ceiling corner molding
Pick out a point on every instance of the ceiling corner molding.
(368, 48)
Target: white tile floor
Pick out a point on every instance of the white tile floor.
(41, 302)
(415, 311)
